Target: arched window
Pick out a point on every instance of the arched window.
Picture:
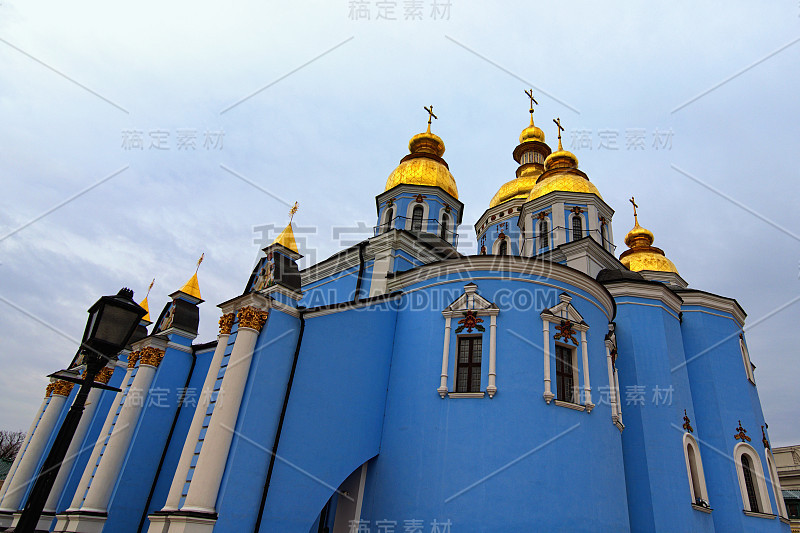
(694, 469)
(503, 248)
(445, 228)
(388, 218)
(416, 218)
(544, 241)
(776, 485)
(577, 228)
(751, 480)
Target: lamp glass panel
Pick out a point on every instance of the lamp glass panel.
(115, 325)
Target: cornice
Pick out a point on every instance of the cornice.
(533, 267)
(649, 290)
(713, 301)
(251, 299)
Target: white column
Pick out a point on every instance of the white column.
(587, 387)
(176, 489)
(24, 445)
(74, 449)
(491, 389)
(26, 471)
(548, 394)
(86, 478)
(108, 470)
(445, 358)
(612, 393)
(559, 225)
(210, 466)
(617, 392)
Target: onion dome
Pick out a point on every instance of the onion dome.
(424, 165)
(530, 154)
(641, 254)
(561, 174)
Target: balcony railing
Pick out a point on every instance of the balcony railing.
(423, 226)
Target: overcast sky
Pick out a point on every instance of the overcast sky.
(310, 102)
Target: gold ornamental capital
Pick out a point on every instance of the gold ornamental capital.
(49, 390)
(226, 323)
(104, 375)
(151, 356)
(62, 388)
(251, 317)
(133, 357)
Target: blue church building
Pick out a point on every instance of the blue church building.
(549, 383)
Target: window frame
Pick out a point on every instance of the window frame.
(748, 366)
(544, 234)
(759, 481)
(573, 376)
(698, 471)
(775, 481)
(577, 219)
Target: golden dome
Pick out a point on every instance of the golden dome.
(642, 255)
(424, 165)
(518, 187)
(531, 133)
(563, 182)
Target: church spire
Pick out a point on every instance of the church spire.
(192, 287)
(286, 237)
(145, 305)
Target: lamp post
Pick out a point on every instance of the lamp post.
(112, 322)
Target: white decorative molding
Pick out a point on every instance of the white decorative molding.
(456, 395)
(534, 270)
(694, 469)
(713, 301)
(649, 291)
(570, 405)
(470, 301)
(759, 483)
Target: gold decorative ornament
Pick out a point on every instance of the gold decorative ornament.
(742, 435)
(62, 388)
(151, 356)
(104, 375)
(687, 423)
(133, 358)
(49, 390)
(192, 287)
(764, 439)
(144, 305)
(226, 323)
(253, 318)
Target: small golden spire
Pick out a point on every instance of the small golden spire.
(430, 116)
(146, 306)
(286, 237)
(635, 218)
(560, 129)
(192, 287)
(641, 254)
(533, 101)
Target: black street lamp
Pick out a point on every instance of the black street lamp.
(112, 322)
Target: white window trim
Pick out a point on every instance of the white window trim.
(748, 366)
(410, 212)
(469, 301)
(451, 229)
(759, 482)
(584, 226)
(776, 485)
(496, 245)
(565, 311)
(385, 220)
(688, 441)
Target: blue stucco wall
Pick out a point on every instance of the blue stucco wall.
(335, 413)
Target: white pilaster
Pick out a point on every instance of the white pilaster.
(24, 445)
(202, 495)
(587, 387)
(612, 394)
(548, 394)
(491, 389)
(445, 358)
(559, 225)
(110, 465)
(26, 471)
(74, 449)
(176, 489)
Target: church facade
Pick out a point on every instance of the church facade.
(549, 383)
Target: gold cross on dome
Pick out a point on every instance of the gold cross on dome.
(635, 219)
(292, 211)
(533, 101)
(430, 116)
(560, 129)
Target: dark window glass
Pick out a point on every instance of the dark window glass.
(444, 230)
(577, 228)
(503, 248)
(565, 385)
(748, 483)
(544, 241)
(416, 218)
(468, 366)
